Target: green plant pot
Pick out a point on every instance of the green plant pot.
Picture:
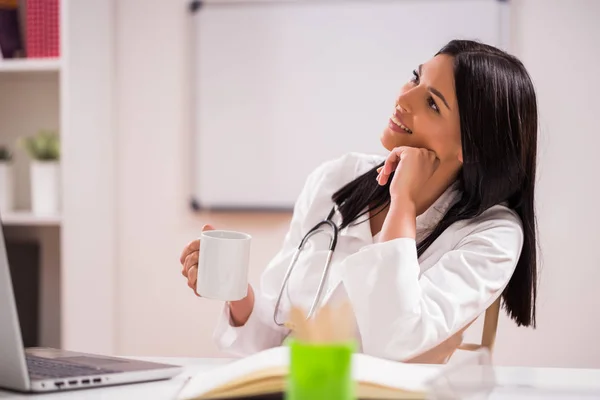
(320, 371)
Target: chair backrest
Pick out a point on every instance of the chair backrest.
(490, 325)
(442, 352)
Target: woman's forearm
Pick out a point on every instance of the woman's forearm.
(401, 220)
(240, 310)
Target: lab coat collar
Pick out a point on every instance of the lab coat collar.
(434, 214)
(425, 222)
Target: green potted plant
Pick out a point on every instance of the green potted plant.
(44, 151)
(6, 180)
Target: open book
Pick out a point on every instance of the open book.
(265, 373)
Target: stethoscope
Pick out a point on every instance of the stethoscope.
(318, 228)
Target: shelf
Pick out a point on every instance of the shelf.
(30, 65)
(26, 218)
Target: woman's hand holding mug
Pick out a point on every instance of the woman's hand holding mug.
(216, 267)
(189, 260)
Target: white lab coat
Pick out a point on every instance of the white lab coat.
(403, 305)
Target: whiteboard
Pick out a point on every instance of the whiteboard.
(282, 86)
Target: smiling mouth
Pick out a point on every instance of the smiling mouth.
(395, 118)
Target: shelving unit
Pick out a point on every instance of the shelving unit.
(26, 218)
(30, 101)
(74, 95)
(30, 65)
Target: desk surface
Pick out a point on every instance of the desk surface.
(512, 383)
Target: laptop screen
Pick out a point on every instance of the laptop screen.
(13, 369)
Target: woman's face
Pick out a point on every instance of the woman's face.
(426, 112)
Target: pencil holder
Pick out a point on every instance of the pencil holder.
(320, 371)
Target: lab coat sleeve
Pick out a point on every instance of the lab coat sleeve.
(260, 331)
(402, 313)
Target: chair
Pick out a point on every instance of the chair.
(490, 325)
(442, 352)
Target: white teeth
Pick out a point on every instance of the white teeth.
(395, 121)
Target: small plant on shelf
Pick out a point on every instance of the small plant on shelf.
(45, 146)
(44, 150)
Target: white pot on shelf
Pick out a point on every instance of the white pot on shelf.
(45, 187)
(6, 188)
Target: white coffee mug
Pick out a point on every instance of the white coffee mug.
(223, 265)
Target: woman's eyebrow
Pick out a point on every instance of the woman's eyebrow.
(435, 91)
(440, 95)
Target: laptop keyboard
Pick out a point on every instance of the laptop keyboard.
(44, 368)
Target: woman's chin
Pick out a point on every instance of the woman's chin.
(390, 139)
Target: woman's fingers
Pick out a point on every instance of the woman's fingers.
(208, 227)
(391, 161)
(193, 277)
(190, 262)
(194, 245)
(434, 158)
(390, 165)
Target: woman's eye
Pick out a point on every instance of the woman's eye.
(415, 78)
(432, 104)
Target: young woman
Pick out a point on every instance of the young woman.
(430, 236)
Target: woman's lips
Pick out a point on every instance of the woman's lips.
(392, 125)
(397, 125)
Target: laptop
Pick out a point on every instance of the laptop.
(46, 369)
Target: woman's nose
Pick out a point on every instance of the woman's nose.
(403, 104)
(404, 101)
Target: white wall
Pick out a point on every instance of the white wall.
(558, 42)
(88, 234)
(157, 313)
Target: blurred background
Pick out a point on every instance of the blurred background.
(100, 169)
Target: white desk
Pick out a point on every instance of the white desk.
(513, 383)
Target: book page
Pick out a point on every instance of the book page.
(208, 381)
(365, 369)
(392, 374)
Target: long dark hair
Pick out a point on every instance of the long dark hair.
(498, 122)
